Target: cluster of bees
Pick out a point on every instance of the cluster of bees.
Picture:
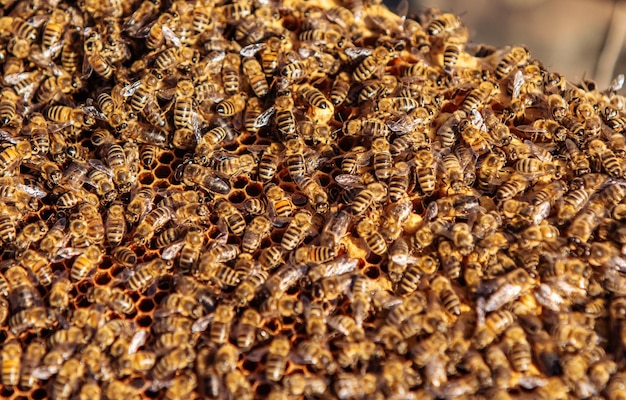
(205, 199)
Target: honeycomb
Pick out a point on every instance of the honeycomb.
(291, 199)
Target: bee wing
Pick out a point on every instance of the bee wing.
(264, 118)
(86, 68)
(66, 253)
(128, 90)
(138, 340)
(44, 372)
(505, 294)
(99, 165)
(616, 84)
(357, 52)
(143, 31)
(530, 129)
(170, 36)
(257, 354)
(170, 252)
(518, 83)
(251, 49)
(202, 323)
(548, 297)
(348, 181)
(14, 79)
(32, 190)
(7, 137)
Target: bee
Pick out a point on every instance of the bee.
(248, 329)
(610, 162)
(85, 263)
(454, 46)
(10, 363)
(425, 171)
(59, 296)
(350, 385)
(256, 231)
(373, 239)
(444, 24)
(139, 206)
(115, 224)
(442, 286)
(230, 74)
(206, 178)
(340, 88)
(233, 217)
(374, 193)
(8, 101)
(383, 165)
(495, 324)
(277, 358)
(145, 274)
(516, 184)
(177, 359)
(12, 155)
(572, 202)
(35, 317)
(296, 230)
(374, 127)
(285, 119)
(31, 233)
(115, 298)
(253, 71)
(221, 325)
(39, 265)
(32, 357)
(94, 60)
(371, 64)
(314, 97)
(280, 205)
(515, 58)
(314, 192)
(479, 96)
(190, 252)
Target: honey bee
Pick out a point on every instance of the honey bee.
(31, 233)
(516, 184)
(276, 362)
(32, 357)
(296, 230)
(383, 165)
(374, 239)
(372, 64)
(495, 324)
(373, 127)
(340, 88)
(12, 155)
(425, 171)
(145, 274)
(253, 71)
(35, 317)
(139, 206)
(10, 364)
(177, 359)
(610, 162)
(314, 192)
(39, 265)
(85, 263)
(350, 385)
(256, 231)
(514, 58)
(221, 325)
(115, 298)
(8, 100)
(204, 177)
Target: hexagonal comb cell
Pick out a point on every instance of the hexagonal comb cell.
(248, 199)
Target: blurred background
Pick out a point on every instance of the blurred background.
(578, 38)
